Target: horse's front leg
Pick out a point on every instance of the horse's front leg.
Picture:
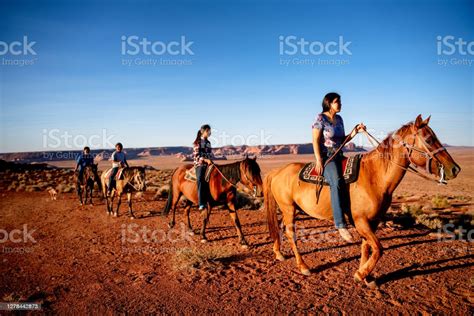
(365, 230)
(119, 201)
(79, 194)
(187, 210)
(86, 193)
(235, 219)
(129, 199)
(91, 190)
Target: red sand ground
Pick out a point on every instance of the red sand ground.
(82, 261)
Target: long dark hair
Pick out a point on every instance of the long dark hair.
(203, 128)
(328, 99)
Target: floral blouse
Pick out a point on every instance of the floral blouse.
(333, 134)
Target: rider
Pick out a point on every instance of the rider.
(118, 161)
(328, 135)
(202, 153)
(83, 160)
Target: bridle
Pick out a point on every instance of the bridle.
(428, 154)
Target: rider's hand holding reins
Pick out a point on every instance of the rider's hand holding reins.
(357, 129)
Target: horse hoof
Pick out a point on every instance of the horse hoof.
(279, 257)
(115, 215)
(170, 225)
(132, 217)
(191, 233)
(305, 271)
(244, 246)
(204, 240)
(371, 285)
(358, 277)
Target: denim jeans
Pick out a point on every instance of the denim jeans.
(113, 173)
(202, 185)
(333, 174)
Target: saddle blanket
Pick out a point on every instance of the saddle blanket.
(118, 176)
(350, 167)
(190, 174)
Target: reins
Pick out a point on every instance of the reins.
(409, 147)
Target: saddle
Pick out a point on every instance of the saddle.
(190, 174)
(118, 176)
(350, 171)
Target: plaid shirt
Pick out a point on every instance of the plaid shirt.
(201, 151)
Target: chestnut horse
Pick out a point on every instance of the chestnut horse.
(381, 171)
(133, 181)
(222, 189)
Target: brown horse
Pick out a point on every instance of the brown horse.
(86, 184)
(133, 181)
(222, 189)
(381, 170)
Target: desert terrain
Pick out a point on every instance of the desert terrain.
(77, 259)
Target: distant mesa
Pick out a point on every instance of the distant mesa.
(182, 153)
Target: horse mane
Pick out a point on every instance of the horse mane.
(231, 171)
(385, 148)
(386, 145)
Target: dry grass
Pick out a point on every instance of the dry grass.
(188, 259)
(440, 201)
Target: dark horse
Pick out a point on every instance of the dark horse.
(222, 189)
(133, 181)
(86, 184)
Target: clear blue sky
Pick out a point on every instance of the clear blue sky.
(78, 85)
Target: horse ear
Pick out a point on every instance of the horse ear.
(255, 158)
(418, 121)
(427, 120)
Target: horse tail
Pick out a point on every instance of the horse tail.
(167, 208)
(271, 208)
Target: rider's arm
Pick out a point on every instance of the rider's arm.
(197, 154)
(78, 162)
(125, 161)
(316, 139)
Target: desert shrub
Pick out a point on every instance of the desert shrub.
(432, 222)
(440, 201)
(414, 209)
(187, 259)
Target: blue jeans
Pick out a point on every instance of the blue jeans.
(333, 174)
(113, 173)
(202, 185)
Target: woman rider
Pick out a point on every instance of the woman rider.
(202, 153)
(328, 135)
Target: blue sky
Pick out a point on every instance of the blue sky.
(78, 85)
